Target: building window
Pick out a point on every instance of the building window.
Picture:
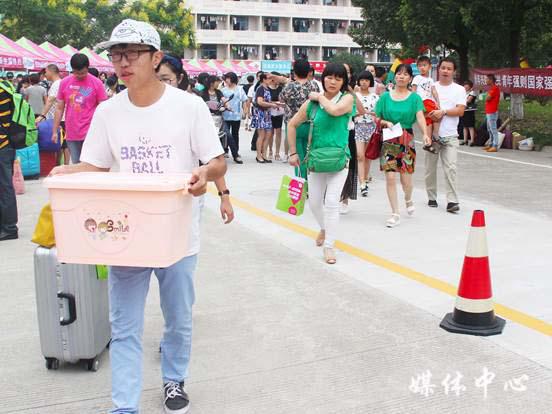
(357, 51)
(208, 51)
(330, 26)
(303, 52)
(356, 25)
(383, 56)
(272, 24)
(301, 1)
(328, 52)
(240, 23)
(302, 25)
(271, 52)
(244, 52)
(329, 2)
(207, 22)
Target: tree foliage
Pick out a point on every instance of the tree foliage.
(174, 22)
(87, 22)
(492, 33)
(355, 62)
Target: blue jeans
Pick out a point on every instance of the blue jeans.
(492, 119)
(8, 203)
(128, 289)
(75, 148)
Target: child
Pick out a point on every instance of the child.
(365, 126)
(424, 86)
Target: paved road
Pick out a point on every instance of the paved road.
(277, 330)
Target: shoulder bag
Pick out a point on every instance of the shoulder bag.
(373, 149)
(325, 159)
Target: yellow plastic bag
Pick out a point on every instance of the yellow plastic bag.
(44, 230)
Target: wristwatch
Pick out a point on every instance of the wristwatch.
(225, 192)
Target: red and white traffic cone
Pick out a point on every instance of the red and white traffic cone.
(474, 311)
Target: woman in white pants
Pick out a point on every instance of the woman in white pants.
(330, 112)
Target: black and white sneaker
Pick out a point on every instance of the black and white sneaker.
(364, 190)
(176, 399)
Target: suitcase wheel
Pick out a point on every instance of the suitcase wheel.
(92, 364)
(52, 363)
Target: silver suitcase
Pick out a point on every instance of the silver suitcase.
(73, 311)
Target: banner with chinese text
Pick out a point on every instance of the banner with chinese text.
(516, 80)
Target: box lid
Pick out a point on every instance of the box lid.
(118, 181)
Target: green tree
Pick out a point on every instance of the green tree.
(101, 16)
(58, 21)
(492, 33)
(173, 20)
(355, 62)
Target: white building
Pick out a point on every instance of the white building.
(275, 29)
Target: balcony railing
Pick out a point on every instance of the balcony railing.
(274, 38)
(274, 10)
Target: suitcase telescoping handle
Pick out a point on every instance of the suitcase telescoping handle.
(72, 309)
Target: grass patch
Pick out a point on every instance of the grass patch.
(537, 122)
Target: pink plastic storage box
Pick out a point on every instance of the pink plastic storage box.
(121, 219)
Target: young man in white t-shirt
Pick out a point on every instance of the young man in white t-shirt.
(150, 128)
(452, 98)
(424, 86)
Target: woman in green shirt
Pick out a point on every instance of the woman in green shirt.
(331, 111)
(398, 155)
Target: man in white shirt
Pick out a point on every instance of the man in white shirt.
(52, 74)
(452, 99)
(150, 128)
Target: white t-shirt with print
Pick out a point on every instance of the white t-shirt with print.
(449, 97)
(423, 86)
(369, 103)
(170, 136)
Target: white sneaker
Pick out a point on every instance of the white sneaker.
(343, 208)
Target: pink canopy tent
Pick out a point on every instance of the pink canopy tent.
(62, 54)
(10, 59)
(97, 62)
(197, 66)
(34, 48)
(70, 50)
(31, 60)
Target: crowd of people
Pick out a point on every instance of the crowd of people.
(320, 126)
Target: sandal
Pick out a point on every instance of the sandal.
(410, 209)
(277, 157)
(320, 238)
(329, 255)
(393, 221)
(430, 148)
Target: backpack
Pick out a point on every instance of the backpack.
(23, 131)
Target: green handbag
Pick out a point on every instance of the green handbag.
(325, 159)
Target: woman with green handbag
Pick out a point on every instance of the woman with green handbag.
(328, 151)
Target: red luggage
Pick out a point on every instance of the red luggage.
(48, 160)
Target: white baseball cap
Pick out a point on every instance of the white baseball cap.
(133, 32)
